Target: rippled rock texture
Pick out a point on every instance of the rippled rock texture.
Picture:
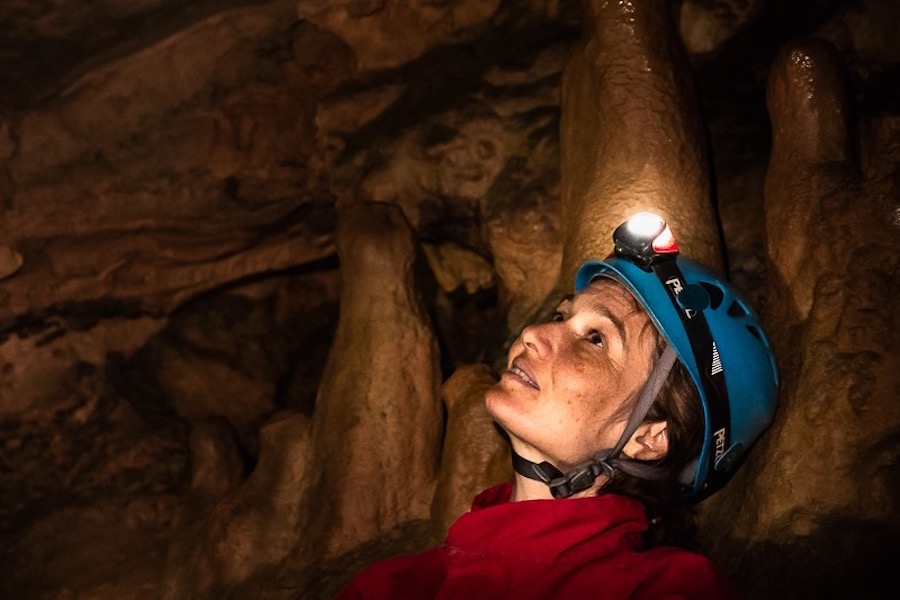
(260, 260)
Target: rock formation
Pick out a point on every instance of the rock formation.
(832, 452)
(631, 82)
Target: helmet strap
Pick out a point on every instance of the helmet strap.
(605, 462)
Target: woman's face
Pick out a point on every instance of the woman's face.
(570, 383)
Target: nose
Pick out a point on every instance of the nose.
(537, 338)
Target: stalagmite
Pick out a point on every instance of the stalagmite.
(216, 464)
(631, 135)
(811, 167)
(827, 469)
(222, 542)
(378, 416)
(475, 455)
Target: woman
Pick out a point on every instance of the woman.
(638, 397)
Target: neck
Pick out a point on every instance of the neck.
(526, 488)
(530, 489)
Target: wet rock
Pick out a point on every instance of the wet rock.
(811, 166)
(811, 497)
(631, 135)
(706, 26)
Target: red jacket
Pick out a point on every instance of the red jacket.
(573, 548)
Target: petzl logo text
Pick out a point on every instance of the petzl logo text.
(677, 287)
(675, 284)
(719, 438)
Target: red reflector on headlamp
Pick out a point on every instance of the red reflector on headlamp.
(645, 239)
(665, 242)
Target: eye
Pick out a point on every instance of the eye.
(558, 317)
(594, 337)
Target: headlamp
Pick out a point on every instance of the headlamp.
(645, 239)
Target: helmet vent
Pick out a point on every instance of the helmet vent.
(755, 332)
(737, 311)
(716, 295)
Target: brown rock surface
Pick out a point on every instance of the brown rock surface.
(127, 187)
(631, 135)
(387, 33)
(377, 423)
(221, 541)
(474, 453)
(705, 26)
(827, 471)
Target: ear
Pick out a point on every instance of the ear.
(649, 442)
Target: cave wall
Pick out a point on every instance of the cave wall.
(259, 259)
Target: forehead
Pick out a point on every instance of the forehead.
(607, 295)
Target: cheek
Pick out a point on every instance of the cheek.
(591, 397)
(582, 402)
(636, 376)
(583, 384)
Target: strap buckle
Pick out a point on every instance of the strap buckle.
(579, 479)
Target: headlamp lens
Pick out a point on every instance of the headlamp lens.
(645, 225)
(644, 239)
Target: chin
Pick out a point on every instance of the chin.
(502, 405)
(507, 410)
(492, 398)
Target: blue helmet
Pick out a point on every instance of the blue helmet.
(714, 334)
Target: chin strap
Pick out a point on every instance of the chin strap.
(605, 462)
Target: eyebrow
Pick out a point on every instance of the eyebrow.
(568, 302)
(620, 326)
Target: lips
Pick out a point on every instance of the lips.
(519, 370)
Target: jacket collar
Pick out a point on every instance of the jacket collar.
(548, 530)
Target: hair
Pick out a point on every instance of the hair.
(670, 513)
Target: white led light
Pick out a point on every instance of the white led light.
(645, 225)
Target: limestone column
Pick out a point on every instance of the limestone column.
(631, 134)
(811, 168)
(820, 492)
(378, 415)
(475, 454)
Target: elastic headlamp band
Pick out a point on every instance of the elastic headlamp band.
(646, 241)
